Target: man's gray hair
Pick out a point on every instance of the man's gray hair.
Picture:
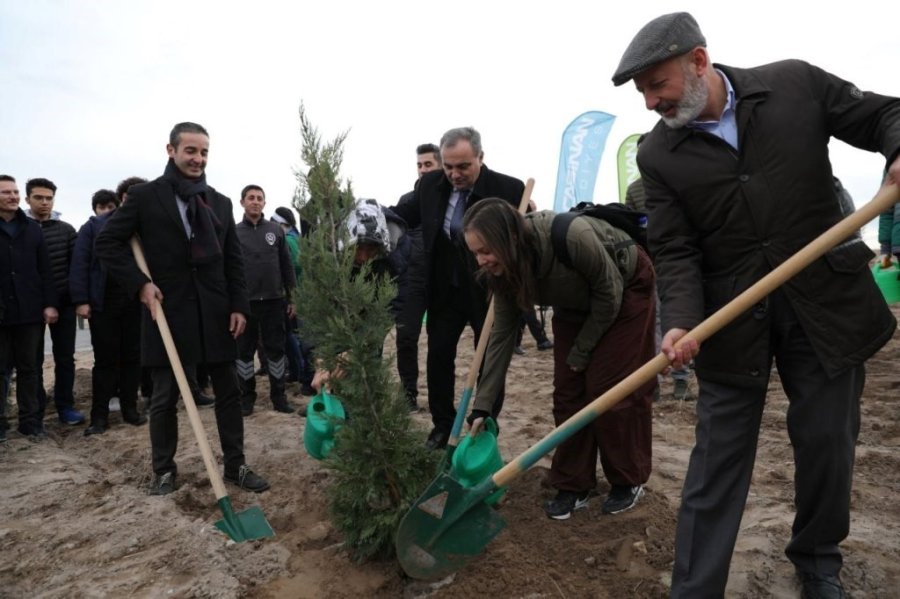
(469, 134)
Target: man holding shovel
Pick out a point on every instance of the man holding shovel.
(738, 179)
(188, 235)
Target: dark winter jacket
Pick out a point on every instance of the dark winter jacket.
(198, 299)
(392, 263)
(267, 261)
(415, 274)
(60, 237)
(26, 277)
(721, 219)
(87, 277)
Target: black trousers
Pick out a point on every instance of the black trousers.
(116, 340)
(446, 320)
(164, 417)
(265, 322)
(823, 425)
(62, 334)
(19, 349)
(409, 320)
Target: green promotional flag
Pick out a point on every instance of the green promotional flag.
(627, 164)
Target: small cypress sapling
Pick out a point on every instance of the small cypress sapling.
(379, 463)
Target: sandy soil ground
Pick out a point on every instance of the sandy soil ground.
(76, 520)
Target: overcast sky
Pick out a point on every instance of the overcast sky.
(90, 89)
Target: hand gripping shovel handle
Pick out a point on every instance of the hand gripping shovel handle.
(463, 408)
(886, 197)
(191, 408)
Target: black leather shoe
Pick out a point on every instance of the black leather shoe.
(248, 480)
(284, 407)
(437, 439)
(96, 428)
(133, 417)
(204, 400)
(821, 586)
(164, 484)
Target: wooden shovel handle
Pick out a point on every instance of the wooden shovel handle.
(887, 196)
(475, 367)
(185, 389)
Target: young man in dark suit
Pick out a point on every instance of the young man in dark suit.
(188, 234)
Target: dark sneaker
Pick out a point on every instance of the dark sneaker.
(681, 391)
(284, 407)
(565, 502)
(412, 402)
(545, 345)
(96, 428)
(246, 409)
(133, 417)
(71, 416)
(622, 498)
(519, 350)
(437, 439)
(308, 390)
(247, 479)
(164, 484)
(204, 400)
(821, 586)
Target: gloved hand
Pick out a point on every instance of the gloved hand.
(476, 421)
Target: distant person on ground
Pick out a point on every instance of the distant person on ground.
(603, 316)
(27, 302)
(409, 321)
(536, 328)
(115, 323)
(270, 284)
(299, 354)
(738, 179)
(60, 237)
(188, 236)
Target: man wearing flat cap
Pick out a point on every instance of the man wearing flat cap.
(738, 179)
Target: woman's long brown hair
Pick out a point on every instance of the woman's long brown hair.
(504, 232)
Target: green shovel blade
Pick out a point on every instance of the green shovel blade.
(243, 526)
(446, 527)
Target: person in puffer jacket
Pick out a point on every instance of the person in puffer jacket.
(60, 236)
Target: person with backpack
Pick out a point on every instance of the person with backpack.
(604, 313)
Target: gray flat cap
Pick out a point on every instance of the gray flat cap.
(661, 39)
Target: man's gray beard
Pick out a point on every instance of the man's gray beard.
(692, 102)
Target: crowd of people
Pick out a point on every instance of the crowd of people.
(735, 178)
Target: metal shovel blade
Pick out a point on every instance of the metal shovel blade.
(247, 525)
(445, 528)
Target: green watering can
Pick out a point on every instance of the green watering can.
(888, 282)
(476, 458)
(324, 417)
